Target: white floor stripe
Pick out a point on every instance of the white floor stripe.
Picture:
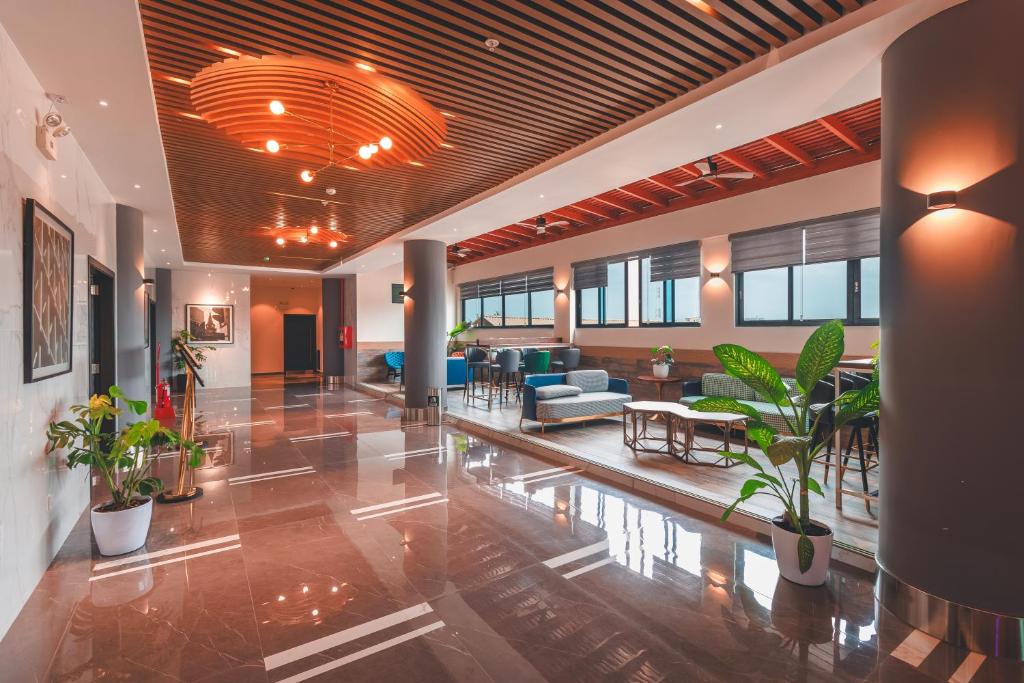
(259, 475)
(364, 400)
(157, 564)
(577, 554)
(280, 476)
(529, 475)
(586, 568)
(965, 672)
(417, 453)
(527, 482)
(341, 637)
(394, 503)
(319, 437)
(293, 405)
(361, 412)
(915, 648)
(311, 395)
(250, 424)
(408, 507)
(165, 552)
(373, 649)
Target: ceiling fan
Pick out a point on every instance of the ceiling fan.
(541, 225)
(460, 251)
(709, 171)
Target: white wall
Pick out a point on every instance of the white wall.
(40, 499)
(377, 319)
(230, 365)
(849, 189)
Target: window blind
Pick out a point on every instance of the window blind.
(769, 248)
(490, 288)
(518, 283)
(589, 274)
(540, 280)
(843, 237)
(675, 261)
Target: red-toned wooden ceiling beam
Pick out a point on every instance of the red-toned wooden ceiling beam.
(666, 183)
(476, 245)
(514, 236)
(746, 163)
(599, 212)
(646, 195)
(843, 132)
(529, 233)
(571, 214)
(786, 146)
(615, 204)
(496, 240)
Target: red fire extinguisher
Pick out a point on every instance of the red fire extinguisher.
(346, 337)
(163, 409)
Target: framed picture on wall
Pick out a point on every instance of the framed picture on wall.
(211, 323)
(48, 268)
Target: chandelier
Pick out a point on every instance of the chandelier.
(317, 113)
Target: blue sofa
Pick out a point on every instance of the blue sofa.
(456, 371)
(574, 396)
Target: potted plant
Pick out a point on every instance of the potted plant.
(121, 460)
(802, 545)
(661, 361)
(199, 351)
(454, 333)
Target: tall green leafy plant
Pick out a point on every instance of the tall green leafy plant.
(818, 359)
(120, 458)
(454, 333)
(198, 350)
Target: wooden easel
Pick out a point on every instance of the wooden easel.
(184, 490)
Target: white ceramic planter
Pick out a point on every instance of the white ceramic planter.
(784, 542)
(123, 531)
(661, 370)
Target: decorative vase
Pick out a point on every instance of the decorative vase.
(784, 542)
(661, 370)
(122, 531)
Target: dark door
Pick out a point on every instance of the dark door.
(101, 328)
(151, 338)
(300, 353)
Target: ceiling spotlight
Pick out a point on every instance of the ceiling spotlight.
(273, 146)
(313, 230)
(104, 103)
(365, 152)
(364, 67)
(333, 244)
(303, 239)
(491, 44)
(307, 176)
(718, 126)
(386, 143)
(53, 119)
(137, 186)
(62, 131)
(276, 107)
(266, 258)
(280, 243)
(331, 191)
(374, 148)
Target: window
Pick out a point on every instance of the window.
(520, 300)
(869, 299)
(625, 294)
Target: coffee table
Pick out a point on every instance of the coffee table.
(639, 439)
(726, 421)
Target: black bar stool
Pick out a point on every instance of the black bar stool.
(506, 370)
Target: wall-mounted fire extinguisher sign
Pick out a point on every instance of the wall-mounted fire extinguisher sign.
(346, 337)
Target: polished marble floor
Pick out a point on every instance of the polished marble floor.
(331, 544)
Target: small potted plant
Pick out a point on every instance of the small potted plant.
(661, 361)
(122, 461)
(803, 546)
(454, 333)
(198, 350)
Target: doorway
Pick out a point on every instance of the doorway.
(102, 352)
(300, 352)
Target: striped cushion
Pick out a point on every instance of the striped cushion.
(551, 391)
(588, 380)
(590, 403)
(720, 384)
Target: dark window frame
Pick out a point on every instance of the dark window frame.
(667, 300)
(853, 304)
(503, 326)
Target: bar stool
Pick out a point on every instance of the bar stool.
(507, 369)
(566, 360)
(537, 362)
(478, 368)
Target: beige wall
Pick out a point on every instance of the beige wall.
(272, 298)
(837, 192)
(377, 319)
(229, 365)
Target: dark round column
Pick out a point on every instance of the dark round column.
(425, 282)
(952, 339)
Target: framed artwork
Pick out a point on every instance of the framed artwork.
(211, 323)
(218, 449)
(47, 286)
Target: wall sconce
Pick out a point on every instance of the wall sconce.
(563, 290)
(945, 199)
(714, 275)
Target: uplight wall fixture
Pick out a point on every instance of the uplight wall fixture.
(944, 199)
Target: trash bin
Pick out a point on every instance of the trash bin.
(333, 381)
(435, 405)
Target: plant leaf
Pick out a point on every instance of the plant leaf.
(744, 458)
(722, 404)
(786, 448)
(762, 434)
(750, 487)
(769, 478)
(823, 349)
(813, 485)
(805, 551)
(857, 403)
(754, 371)
(728, 510)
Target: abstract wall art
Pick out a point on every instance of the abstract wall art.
(211, 323)
(49, 248)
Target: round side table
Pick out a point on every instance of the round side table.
(659, 382)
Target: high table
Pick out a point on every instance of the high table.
(850, 365)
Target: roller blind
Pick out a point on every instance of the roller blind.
(490, 288)
(518, 283)
(843, 237)
(540, 280)
(770, 248)
(675, 261)
(590, 274)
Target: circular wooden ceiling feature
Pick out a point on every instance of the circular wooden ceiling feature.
(325, 105)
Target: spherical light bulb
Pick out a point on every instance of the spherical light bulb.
(273, 146)
(374, 148)
(313, 230)
(280, 241)
(364, 152)
(276, 107)
(333, 244)
(307, 176)
(386, 143)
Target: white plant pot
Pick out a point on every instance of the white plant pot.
(123, 531)
(661, 370)
(784, 542)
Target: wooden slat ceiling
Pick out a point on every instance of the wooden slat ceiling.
(564, 73)
(840, 140)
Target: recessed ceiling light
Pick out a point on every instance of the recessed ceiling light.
(415, 163)
(168, 263)
(178, 80)
(541, 196)
(364, 67)
(448, 114)
(190, 115)
(718, 126)
(229, 51)
(137, 186)
(447, 146)
(154, 229)
(63, 175)
(209, 275)
(104, 103)
(163, 251)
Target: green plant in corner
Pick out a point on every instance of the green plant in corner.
(820, 355)
(198, 350)
(120, 457)
(455, 332)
